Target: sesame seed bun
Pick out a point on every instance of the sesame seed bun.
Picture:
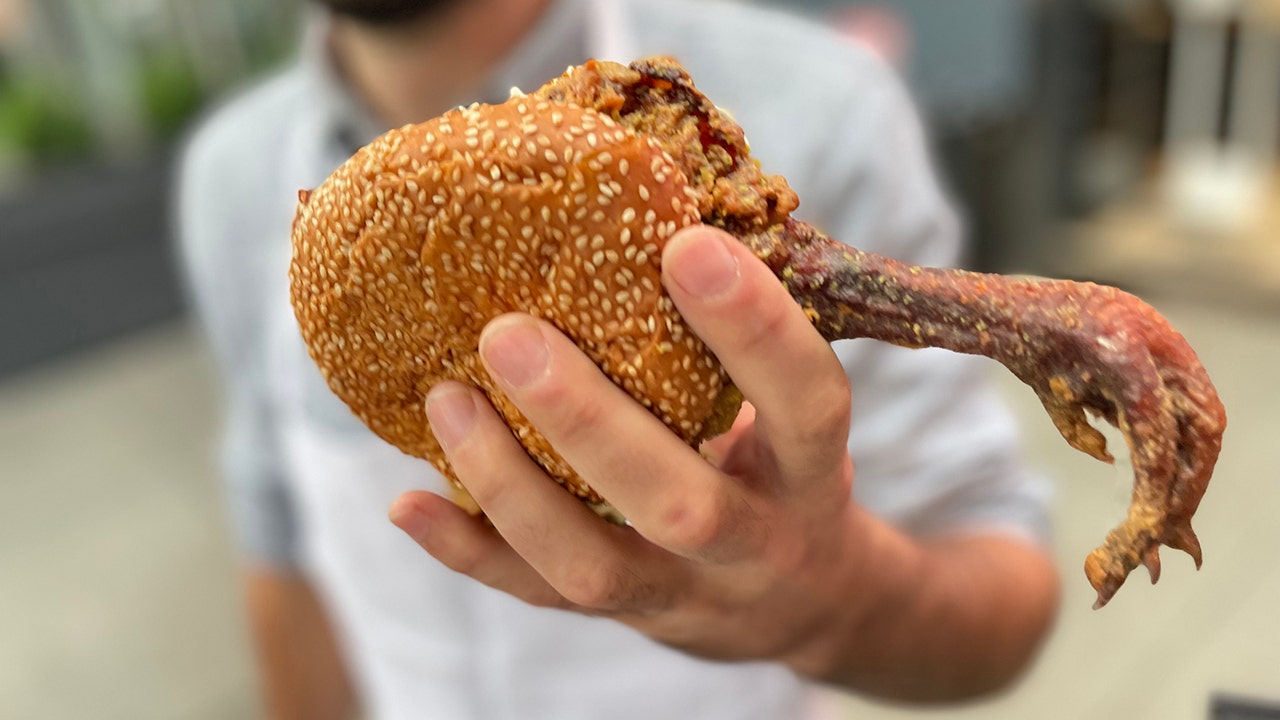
(538, 206)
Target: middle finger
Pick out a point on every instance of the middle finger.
(670, 494)
(589, 562)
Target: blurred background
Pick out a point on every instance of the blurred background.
(1128, 141)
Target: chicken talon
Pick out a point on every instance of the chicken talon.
(1152, 562)
(1185, 539)
(1068, 416)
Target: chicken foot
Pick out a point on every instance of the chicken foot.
(1083, 348)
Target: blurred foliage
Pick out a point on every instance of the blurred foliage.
(170, 90)
(40, 124)
(110, 79)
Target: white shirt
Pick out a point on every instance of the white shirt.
(934, 451)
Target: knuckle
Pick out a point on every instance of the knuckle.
(826, 417)
(479, 456)
(467, 559)
(788, 555)
(479, 483)
(562, 410)
(694, 525)
(592, 586)
(771, 321)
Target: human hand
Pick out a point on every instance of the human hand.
(726, 560)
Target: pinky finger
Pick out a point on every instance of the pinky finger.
(467, 545)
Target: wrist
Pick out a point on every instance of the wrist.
(868, 583)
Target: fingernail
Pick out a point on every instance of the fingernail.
(515, 350)
(701, 264)
(452, 412)
(405, 515)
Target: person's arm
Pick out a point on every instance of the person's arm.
(301, 669)
(300, 664)
(762, 555)
(969, 629)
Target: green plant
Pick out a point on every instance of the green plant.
(40, 122)
(170, 90)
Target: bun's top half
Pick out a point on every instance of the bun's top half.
(405, 253)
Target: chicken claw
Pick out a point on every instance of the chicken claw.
(1083, 348)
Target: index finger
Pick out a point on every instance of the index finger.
(766, 343)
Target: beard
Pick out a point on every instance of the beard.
(387, 12)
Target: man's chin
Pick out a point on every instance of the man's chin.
(387, 12)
